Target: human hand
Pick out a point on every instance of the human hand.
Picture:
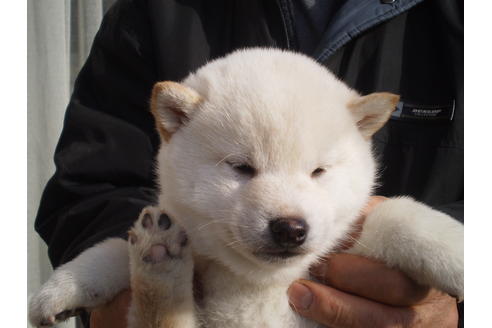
(359, 292)
(363, 293)
(112, 314)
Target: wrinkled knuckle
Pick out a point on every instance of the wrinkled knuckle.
(404, 319)
(335, 315)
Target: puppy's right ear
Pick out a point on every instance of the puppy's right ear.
(172, 104)
(372, 111)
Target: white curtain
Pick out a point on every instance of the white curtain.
(59, 36)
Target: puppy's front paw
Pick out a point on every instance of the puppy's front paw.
(90, 280)
(52, 304)
(424, 243)
(161, 269)
(157, 245)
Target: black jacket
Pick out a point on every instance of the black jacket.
(105, 155)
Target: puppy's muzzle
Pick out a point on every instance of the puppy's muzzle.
(288, 233)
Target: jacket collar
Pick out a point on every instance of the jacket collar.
(353, 18)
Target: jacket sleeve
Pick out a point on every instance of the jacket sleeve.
(104, 158)
(455, 209)
(451, 24)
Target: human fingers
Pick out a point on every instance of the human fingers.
(369, 279)
(337, 309)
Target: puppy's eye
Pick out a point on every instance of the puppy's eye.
(319, 171)
(243, 169)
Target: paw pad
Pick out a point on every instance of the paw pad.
(147, 221)
(132, 238)
(155, 238)
(183, 238)
(157, 253)
(164, 221)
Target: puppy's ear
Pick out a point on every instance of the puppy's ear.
(172, 104)
(372, 111)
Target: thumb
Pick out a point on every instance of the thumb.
(331, 307)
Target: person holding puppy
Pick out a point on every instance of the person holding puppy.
(105, 154)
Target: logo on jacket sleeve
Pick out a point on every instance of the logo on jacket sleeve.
(408, 111)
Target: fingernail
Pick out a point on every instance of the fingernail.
(300, 296)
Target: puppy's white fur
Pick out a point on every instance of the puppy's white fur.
(286, 116)
(86, 282)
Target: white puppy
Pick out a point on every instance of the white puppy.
(264, 165)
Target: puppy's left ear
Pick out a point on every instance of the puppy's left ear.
(372, 111)
(172, 105)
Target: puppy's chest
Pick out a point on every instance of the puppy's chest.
(230, 303)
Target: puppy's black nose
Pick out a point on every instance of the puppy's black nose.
(289, 232)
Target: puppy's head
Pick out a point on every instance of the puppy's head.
(265, 158)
